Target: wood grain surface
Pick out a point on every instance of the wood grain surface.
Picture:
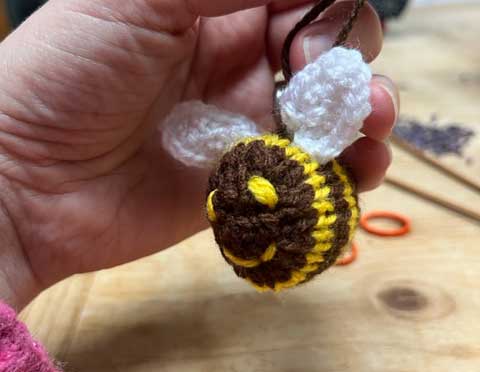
(408, 304)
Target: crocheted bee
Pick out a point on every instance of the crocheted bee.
(281, 210)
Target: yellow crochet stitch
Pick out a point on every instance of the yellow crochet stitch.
(263, 191)
(265, 257)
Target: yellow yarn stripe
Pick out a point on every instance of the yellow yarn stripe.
(349, 198)
(315, 181)
(326, 221)
(266, 256)
(322, 193)
(269, 140)
(321, 247)
(210, 209)
(263, 191)
(323, 235)
(274, 140)
(292, 151)
(314, 257)
(309, 168)
(323, 206)
(301, 158)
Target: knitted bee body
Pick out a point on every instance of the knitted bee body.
(278, 216)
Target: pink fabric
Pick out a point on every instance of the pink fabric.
(18, 351)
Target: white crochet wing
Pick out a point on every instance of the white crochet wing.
(198, 134)
(325, 104)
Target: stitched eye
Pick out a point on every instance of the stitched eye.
(263, 191)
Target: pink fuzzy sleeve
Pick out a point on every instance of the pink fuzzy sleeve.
(18, 351)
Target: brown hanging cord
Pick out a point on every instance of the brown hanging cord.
(312, 15)
(348, 25)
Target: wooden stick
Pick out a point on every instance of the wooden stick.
(449, 171)
(434, 199)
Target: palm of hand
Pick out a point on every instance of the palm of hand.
(109, 193)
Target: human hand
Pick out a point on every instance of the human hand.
(86, 184)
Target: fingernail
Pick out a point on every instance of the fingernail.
(390, 88)
(318, 40)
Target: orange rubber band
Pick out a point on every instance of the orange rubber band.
(350, 257)
(404, 228)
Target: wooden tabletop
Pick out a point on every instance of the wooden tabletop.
(407, 304)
